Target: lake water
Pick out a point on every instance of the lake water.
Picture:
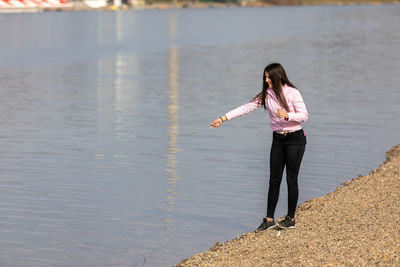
(106, 155)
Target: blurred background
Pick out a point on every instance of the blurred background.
(106, 155)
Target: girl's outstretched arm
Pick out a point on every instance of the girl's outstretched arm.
(240, 111)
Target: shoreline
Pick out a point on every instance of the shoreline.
(259, 4)
(169, 6)
(356, 224)
(163, 6)
(80, 6)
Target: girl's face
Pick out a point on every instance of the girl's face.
(268, 80)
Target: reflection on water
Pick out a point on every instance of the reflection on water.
(107, 159)
(173, 117)
(110, 28)
(117, 92)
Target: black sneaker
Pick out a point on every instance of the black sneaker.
(287, 223)
(266, 225)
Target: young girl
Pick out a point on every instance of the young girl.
(287, 110)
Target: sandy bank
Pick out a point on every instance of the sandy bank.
(357, 224)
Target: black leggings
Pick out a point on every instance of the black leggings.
(286, 150)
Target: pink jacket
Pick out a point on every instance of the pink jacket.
(297, 114)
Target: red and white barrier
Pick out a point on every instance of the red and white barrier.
(34, 4)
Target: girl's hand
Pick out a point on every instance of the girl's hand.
(216, 123)
(282, 114)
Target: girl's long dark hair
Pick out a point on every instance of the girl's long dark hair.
(278, 78)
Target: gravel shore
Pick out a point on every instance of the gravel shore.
(357, 224)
